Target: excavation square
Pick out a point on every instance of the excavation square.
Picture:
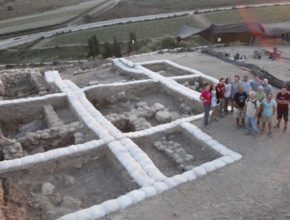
(89, 74)
(194, 83)
(138, 106)
(18, 84)
(176, 151)
(56, 188)
(33, 127)
(167, 70)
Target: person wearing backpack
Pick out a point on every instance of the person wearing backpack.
(252, 107)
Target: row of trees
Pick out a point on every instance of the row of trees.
(109, 50)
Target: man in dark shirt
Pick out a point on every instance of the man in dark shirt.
(283, 99)
(239, 102)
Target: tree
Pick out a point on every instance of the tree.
(107, 52)
(94, 47)
(132, 44)
(116, 48)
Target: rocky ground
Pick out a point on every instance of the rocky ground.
(257, 187)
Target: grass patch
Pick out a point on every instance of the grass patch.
(30, 7)
(264, 15)
(143, 30)
(26, 55)
(128, 8)
(49, 18)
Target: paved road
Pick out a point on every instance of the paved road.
(28, 38)
(101, 8)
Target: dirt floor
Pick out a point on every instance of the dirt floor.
(255, 188)
(51, 191)
(214, 67)
(100, 75)
(167, 70)
(201, 154)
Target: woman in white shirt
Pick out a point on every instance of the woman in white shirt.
(228, 92)
(214, 102)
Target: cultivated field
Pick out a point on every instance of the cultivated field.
(48, 18)
(143, 30)
(158, 28)
(128, 8)
(264, 15)
(29, 7)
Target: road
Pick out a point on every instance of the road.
(103, 7)
(29, 38)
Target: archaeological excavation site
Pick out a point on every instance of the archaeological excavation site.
(82, 140)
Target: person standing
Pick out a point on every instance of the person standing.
(235, 85)
(283, 99)
(228, 91)
(269, 105)
(214, 102)
(205, 97)
(246, 84)
(255, 83)
(221, 90)
(260, 95)
(267, 87)
(239, 103)
(252, 107)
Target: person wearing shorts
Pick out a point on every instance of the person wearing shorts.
(270, 106)
(282, 99)
(239, 103)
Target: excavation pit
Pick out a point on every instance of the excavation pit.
(176, 151)
(53, 189)
(194, 83)
(167, 70)
(39, 126)
(103, 74)
(17, 84)
(138, 106)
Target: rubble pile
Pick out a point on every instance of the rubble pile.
(174, 151)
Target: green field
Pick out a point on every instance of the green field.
(143, 30)
(44, 19)
(129, 8)
(158, 28)
(263, 15)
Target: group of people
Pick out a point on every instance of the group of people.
(252, 103)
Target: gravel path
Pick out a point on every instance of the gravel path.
(257, 187)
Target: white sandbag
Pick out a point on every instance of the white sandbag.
(124, 201)
(110, 206)
(136, 196)
(149, 191)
